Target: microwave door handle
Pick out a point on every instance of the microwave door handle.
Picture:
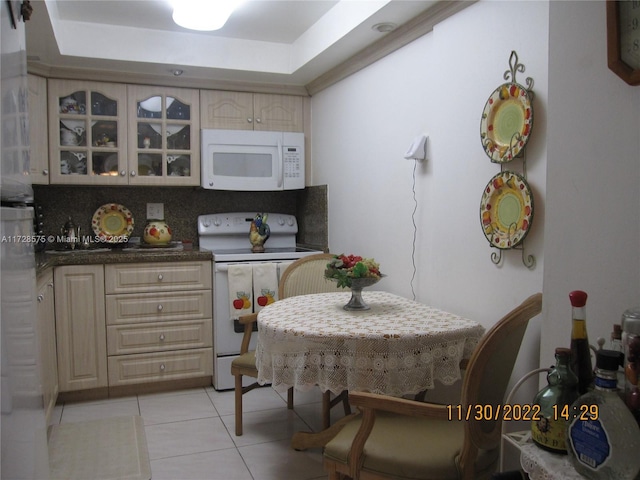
(280, 166)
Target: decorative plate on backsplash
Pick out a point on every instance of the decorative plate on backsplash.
(112, 223)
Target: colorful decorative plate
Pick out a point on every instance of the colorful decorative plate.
(506, 122)
(112, 223)
(506, 210)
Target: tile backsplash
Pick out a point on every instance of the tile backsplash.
(182, 205)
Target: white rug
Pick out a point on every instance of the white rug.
(108, 449)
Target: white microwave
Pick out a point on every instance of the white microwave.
(247, 160)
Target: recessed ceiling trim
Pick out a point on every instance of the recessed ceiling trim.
(148, 49)
(154, 46)
(392, 41)
(126, 43)
(333, 26)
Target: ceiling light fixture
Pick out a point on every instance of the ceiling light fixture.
(384, 27)
(204, 15)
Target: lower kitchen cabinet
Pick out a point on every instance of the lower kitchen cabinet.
(157, 367)
(80, 327)
(47, 340)
(159, 322)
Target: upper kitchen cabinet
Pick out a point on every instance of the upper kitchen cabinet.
(251, 111)
(164, 138)
(87, 132)
(38, 144)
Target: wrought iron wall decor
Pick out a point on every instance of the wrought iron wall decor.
(507, 206)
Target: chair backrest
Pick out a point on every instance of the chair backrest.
(488, 374)
(306, 275)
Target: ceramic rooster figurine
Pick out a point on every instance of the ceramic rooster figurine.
(259, 232)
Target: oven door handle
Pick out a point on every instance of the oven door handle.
(222, 268)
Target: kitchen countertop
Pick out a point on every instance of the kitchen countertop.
(49, 259)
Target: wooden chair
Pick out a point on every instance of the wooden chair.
(302, 277)
(404, 439)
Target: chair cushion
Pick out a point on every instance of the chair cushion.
(246, 360)
(406, 447)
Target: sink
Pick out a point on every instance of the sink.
(128, 249)
(68, 252)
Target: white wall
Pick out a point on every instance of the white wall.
(437, 85)
(583, 165)
(592, 232)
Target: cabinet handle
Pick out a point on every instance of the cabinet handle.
(133, 173)
(162, 337)
(249, 120)
(162, 367)
(45, 172)
(50, 284)
(258, 120)
(160, 277)
(160, 307)
(40, 298)
(123, 173)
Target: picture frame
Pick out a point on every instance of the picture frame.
(623, 39)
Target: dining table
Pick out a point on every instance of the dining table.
(397, 347)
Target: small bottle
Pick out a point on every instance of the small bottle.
(549, 430)
(616, 338)
(580, 351)
(603, 439)
(616, 346)
(631, 348)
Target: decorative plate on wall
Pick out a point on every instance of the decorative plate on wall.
(506, 210)
(506, 122)
(112, 223)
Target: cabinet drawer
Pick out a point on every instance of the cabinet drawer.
(127, 339)
(152, 307)
(157, 367)
(148, 277)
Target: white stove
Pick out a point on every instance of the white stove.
(226, 235)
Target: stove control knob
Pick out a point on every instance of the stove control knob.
(206, 223)
(217, 222)
(280, 221)
(290, 222)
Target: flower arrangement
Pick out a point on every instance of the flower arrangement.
(344, 268)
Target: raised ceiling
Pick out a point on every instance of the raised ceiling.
(278, 42)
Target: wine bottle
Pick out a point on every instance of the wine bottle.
(580, 352)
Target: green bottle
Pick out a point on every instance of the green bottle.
(548, 430)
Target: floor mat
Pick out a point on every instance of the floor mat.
(107, 449)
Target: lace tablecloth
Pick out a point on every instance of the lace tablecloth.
(542, 465)
(398, 347)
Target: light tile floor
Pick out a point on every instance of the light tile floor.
(191, 434)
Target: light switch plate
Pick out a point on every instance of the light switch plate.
(155, 211)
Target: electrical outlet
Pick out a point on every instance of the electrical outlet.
(155, 211)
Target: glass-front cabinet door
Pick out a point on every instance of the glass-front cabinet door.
(87, 132)
(164, 140)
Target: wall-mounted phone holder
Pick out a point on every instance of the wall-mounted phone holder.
(418, 149)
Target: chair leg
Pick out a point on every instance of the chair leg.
(238, 404)
(328, 404)
(420, 396)
(345, 402)
(326, 409)
(290, 398)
